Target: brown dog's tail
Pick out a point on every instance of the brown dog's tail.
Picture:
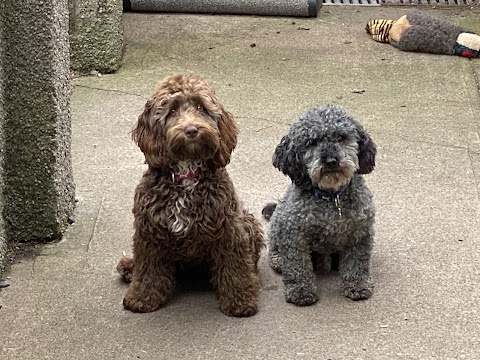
(268, 210)
(125, 269)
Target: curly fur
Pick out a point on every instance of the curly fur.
(428, 34)
(327, 150)
(185, 206)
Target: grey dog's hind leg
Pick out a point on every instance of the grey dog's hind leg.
(274, 258)
(354, 269)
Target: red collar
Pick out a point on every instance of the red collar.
(191, 175)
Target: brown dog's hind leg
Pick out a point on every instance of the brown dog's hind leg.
(255, 234)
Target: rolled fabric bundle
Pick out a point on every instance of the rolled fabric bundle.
(420, 32)
(425, 33)
(300, 8)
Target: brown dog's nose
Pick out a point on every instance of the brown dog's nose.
(191, 131)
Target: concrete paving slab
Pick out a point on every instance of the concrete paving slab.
(66, 304)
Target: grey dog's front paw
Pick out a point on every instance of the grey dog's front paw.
(300, 296)
(275, 261)
(359, 291)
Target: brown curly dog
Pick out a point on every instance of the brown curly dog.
(185, 207)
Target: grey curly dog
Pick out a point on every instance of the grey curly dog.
(328, 209)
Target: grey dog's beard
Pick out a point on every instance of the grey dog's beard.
(332, 180)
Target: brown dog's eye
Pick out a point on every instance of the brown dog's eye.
(200, 108)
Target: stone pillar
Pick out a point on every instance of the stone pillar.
(96, 35)
(3, 240)
(38, 189)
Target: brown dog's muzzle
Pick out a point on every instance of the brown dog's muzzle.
(191, 131)
(192, 140)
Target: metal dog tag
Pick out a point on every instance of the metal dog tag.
(337, 204)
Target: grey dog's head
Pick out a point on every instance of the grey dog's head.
(325, 148)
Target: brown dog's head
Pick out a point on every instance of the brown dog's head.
(185, 121)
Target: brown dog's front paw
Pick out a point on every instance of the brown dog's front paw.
(135, 303)
(240, 310)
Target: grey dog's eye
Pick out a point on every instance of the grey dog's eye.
(313, 142)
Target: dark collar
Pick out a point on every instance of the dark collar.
(325, 194)
(333, 196)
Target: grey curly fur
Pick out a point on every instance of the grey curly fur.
(303, 225)
(428, 34)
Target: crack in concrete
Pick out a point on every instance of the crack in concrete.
(475, 76)
(111, 90)
(469, 150)
(95, 223)
(406, 139)
(142, 64)
(475, 175)
(32, 273)
(278, 122)
(448, 146)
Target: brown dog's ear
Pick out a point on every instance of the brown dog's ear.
(228, 138)
(145, 135)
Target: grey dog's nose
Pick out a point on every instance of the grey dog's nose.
(331, 162)
(191, 131)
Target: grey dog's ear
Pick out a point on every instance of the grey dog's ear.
(366, 151)
(288, 158)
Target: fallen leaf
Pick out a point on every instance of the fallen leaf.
(263, 128)
(358, 91)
